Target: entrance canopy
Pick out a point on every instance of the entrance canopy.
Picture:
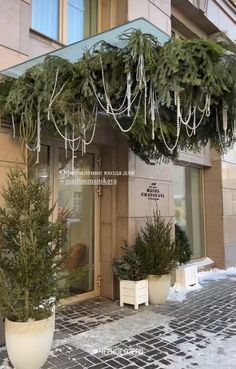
(163, 96)
(75, 51)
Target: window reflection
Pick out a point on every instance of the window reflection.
(45, 17)
(78, 198)
(188, 206)
(42, 171)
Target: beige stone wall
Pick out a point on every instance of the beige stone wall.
(10, 156)
(229, 206)
(14, 32)
(223, 14)
(17, 41)
(140, 207)
(214, 211)
(156, 11)
(201, 158)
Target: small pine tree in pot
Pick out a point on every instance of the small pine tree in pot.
(157, 248)
(183, 245)
(186, 274)
(32, 258)
(129, 269)
(129, 266)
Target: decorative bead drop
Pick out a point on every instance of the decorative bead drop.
(208, 105)
(129, 84)
(153, 130)
(73, 151)
(225, 119)
(108, 110)
(234, 128)
(140, 75)
(175, 97)
(194, 120)
(13, 126)
(38, 136)
(66, 139)
(152, 108)
(145, 104)
(49, 114)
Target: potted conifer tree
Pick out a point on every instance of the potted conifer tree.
(186, 273)
(157, 248)
(32, 257)
(132, 278)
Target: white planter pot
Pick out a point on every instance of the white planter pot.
(159, 287)
(29, 343)
(134, 292)
(186, 275)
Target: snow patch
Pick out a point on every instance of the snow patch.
(5, 364)
(110, 334)
(219, 353)
(216, 274)
(179, 294)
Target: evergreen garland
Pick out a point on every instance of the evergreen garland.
(191, 68)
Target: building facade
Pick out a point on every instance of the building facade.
(198, 190)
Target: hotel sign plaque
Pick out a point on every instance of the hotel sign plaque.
(153, 192)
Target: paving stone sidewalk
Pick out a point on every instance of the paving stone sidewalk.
(192, 334)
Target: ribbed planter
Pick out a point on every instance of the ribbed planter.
(186, 275)
(29, 343)
(159, 287)
(134, 292)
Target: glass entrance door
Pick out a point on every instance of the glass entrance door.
(76, 193)
(188, 206)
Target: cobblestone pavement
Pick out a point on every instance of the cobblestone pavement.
(192, 334)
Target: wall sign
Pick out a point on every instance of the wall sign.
(153, 192)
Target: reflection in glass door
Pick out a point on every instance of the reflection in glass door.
(188, 206)
(75, 194)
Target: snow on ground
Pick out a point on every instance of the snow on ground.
(216, 274)
(104, 336)
(5, 364)
(219, 353)
(179, 294)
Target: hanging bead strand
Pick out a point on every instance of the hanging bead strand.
(225, 119)
(129, 84)
(13, 126)
(66, 138)
(38, 134)
(152, 108)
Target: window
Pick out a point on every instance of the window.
(45, 17)
(42, 170)
(188, 206)
(77, 204)
(66, 21)
(75, 29)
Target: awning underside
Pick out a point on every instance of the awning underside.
(75, 51)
